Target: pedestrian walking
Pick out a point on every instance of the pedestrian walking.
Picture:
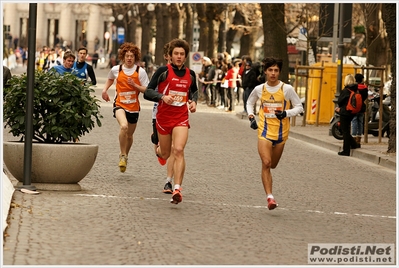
(131, 79)
(174, 88)
(84, 70)
(94, 59)
(345, 117)
(279, 101)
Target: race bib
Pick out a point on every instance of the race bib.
(179, 98)
(128, 97)
(270, 107)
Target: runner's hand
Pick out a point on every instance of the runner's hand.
(280, 114)
(253, 123)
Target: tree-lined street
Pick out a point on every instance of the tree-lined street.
(125, 219)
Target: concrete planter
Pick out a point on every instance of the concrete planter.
(54, 166)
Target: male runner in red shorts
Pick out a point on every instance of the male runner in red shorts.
(174, 88)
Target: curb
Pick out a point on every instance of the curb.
(8, 191)
(363, 154)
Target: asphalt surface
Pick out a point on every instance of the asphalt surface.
(125, 219)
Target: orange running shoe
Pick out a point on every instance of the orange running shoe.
(271, 203)
(176, 196)
(160, 159)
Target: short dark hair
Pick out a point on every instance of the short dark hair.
(82, 48)
(359, 78)
(69, 54)
(271, 61)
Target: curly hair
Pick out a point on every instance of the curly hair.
(129, 47)
(179, 43)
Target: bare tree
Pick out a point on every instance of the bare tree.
(204, 27)
(389, 17)
(189, 26)
(275, 37)
(147, 21)
(376, 40)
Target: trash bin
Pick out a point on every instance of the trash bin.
(328, 90)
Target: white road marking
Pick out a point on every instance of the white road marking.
(248, 206)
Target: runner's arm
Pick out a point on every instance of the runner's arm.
(151, 93)
(290, 94)
(91, 74)
(193, 95)
(252, 99)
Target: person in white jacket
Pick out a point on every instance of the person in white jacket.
(279, 101)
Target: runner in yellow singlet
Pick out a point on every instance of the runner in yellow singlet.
(279, 101)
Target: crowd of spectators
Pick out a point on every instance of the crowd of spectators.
(225, 82)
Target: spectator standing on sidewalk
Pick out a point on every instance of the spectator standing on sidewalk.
(131, 79)
(249, 82)
(94, 59)
(358, 119)
(205, 83)
(346, 117)
(231, 77)
(84, 70)
(175, 89)
(279, 101)
(217, 81)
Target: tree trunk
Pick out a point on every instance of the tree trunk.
(210, 16)
(160, 35)
(389, 16)
(222, 33)
(176, 19)
(376, 44)
(146, 18)
(189, 23)
(230, 35)
(166, 26)
(275, 38)
(204, 29)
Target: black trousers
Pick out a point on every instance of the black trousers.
(349, 141)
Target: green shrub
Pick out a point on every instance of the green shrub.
(64, 108)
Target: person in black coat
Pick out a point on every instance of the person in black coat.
(249, 81)
(346, 116)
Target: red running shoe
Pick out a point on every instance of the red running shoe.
(161, 161)
(271, 203)
(176, 196)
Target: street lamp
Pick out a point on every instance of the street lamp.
(150, 7)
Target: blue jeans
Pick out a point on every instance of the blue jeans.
(357, 124)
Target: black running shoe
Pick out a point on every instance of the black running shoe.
(167, 189)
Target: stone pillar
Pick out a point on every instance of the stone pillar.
(66, 24)
(95, 27)
(41, 27)
(11, 18)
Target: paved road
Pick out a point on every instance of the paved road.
(125, 219)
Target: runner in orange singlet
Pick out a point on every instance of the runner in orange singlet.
(131, 79)
(174, 88)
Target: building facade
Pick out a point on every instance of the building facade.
(64, 24)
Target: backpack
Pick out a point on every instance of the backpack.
(355, 102)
